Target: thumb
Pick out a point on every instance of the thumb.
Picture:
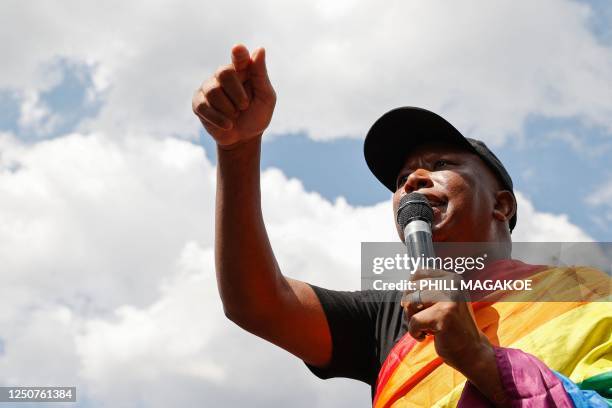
(258, 73)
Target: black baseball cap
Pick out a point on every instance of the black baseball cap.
(400, 130)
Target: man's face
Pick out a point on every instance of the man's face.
(459, 186)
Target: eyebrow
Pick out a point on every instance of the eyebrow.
(427, 157)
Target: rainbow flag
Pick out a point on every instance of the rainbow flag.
(572, 338)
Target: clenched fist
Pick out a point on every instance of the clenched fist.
(237, 102)
(446, 314)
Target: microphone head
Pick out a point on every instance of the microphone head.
(414, 206)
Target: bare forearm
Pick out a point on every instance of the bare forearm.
(247, 273)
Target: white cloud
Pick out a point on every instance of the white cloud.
(106, 248)
(87, 208)
(601, 201)
(602, 196)
(35, 115)
(486, 65)
(535, 226)
(107, 258)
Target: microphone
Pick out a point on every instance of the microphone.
(414, 216)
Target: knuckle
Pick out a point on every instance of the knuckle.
(224, 72)
(197, 100)
(198, 108)
(209, 83)
(207, 92)
(213, 93)
(219, 70)
(206, 113)
(441, 325)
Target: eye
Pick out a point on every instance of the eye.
(401, 180)
(440, 164)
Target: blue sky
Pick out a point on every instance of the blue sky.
(600, 20)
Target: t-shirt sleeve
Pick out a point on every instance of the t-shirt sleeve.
(351, 317)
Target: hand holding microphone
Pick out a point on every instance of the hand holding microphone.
(444, 314)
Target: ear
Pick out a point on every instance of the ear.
(505, 205)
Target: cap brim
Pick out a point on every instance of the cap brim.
(397, 133)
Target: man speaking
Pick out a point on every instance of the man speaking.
(450, 352)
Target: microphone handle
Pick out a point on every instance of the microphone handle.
(417, 236)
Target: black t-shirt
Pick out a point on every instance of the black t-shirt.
(364, 326)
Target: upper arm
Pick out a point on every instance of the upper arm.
(337, 334)
(301, 325)
(332, 331)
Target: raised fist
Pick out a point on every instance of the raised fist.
(237, 102)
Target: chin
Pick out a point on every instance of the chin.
(438, 235)
(440, 228)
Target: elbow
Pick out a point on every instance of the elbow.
(241, 316)
(231, 313)
(252, 310)
(231, 316)
(241, 319)
(248, 318)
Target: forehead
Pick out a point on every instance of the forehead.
(430, 150)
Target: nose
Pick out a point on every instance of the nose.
(418, 179)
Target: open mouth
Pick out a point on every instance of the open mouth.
(438, 206)
(436, 203)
